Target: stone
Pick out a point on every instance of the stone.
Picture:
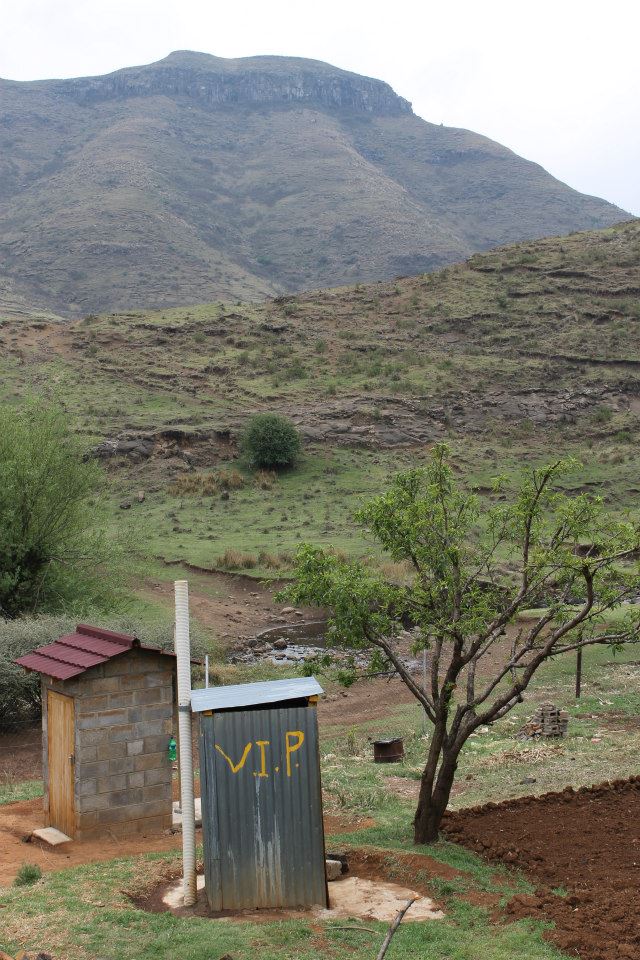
(51, 836)
(280, 644)
(287, 610)
(333, 869)
(125, 505)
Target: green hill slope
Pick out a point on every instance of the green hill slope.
(198, 178)
(516, 356)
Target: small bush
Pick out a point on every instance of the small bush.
(271, 442)
(207, 484)
(274, 561)
(19, 688)
(236, 560)
(28, 874)
(229, 479)
(265, 479)
(269, 560)
(602, 415)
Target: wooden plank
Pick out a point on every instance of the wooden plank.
(61, 747)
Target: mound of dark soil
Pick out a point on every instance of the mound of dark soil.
(585, 842)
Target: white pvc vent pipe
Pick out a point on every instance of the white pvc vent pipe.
(183, 662)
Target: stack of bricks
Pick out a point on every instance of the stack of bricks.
(124, 718)
(547, 721)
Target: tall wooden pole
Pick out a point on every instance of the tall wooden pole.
(578, 672)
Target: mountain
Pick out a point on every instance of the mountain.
(199, 178)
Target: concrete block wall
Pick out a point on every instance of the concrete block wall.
(124, 717)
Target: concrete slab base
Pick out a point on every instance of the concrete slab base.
(51, 836)
(349, 898)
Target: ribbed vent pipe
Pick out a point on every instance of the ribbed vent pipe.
(183, 658)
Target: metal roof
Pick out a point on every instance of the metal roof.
(76, 652)
(252, 694)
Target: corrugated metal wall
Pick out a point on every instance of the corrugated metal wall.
(262, 808)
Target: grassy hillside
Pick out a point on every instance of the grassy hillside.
(514, 356)
(198, 177)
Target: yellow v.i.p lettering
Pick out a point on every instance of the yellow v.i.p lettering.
(292, 747)
(241, 762)
(261, 744)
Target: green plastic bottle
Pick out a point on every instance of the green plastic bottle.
(173, 749)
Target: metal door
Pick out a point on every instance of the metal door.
(61, 739)
(262, 808)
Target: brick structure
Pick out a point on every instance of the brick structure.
(547, 721)
(122, 710)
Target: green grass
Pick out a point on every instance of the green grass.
(313, 503)
(439, 353)
(84, 912)
(602, 743)
(15, 791)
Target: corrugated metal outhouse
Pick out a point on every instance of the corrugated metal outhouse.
(261, 795)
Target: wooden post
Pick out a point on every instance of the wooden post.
(578, 672)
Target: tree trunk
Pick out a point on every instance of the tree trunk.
(434, 796)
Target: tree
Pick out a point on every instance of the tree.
(271, 442)
(51, 548)
(564, 557)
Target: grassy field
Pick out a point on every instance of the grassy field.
(88, 911)
(514, 357)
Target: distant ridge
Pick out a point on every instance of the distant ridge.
(213, 80)
(200, 178)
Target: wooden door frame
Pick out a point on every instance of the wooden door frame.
(70, 827)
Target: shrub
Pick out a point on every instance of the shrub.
(602, 414)
(52, 552)
(27, 875)
(271, 442)
(229, 479)
(207, 484)
(269, 560)
(265, 479)
(236, 560)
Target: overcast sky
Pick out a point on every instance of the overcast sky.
(558, 81)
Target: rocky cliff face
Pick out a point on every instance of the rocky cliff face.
(198, 178)
(256, 80)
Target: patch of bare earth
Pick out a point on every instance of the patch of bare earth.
(369, 890)
(19, 820)
(584, 841)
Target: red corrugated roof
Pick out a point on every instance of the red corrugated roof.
(76, 652)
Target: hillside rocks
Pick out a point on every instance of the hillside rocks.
(392, 422)
(253, 80)
(357, 422)
(194, 447)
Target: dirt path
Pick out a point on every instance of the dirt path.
(230, 606)
(365, 700)
(18, 820)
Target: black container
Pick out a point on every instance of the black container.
(388, 751)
